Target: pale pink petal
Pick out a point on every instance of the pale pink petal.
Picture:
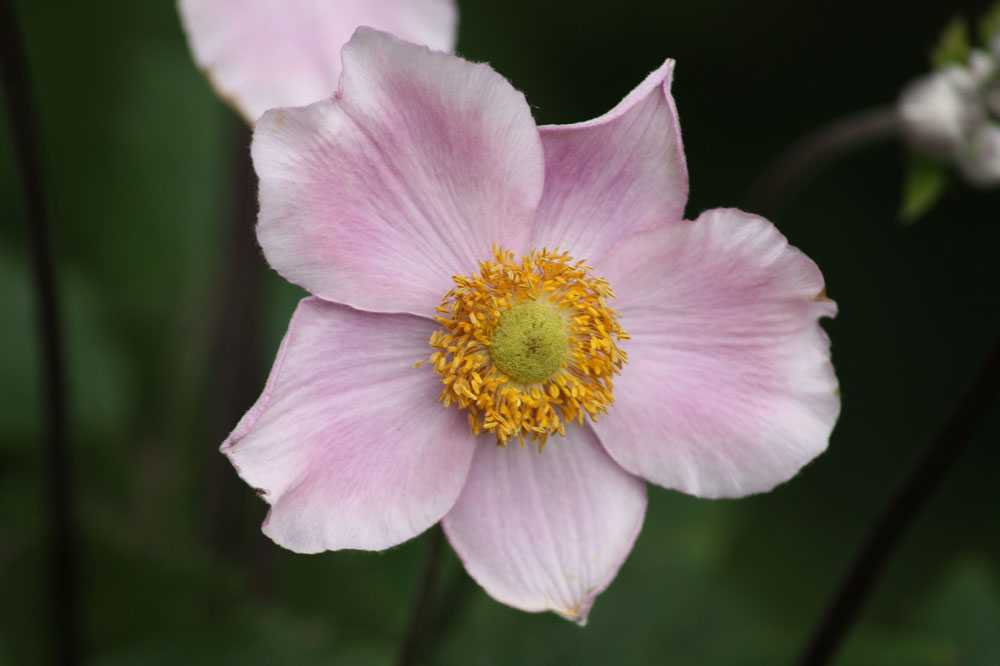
(610, 177)
(377, 198)
(260, 54)
(728, 388)
(546, 531)
(348, 443)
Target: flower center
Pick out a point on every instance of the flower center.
(527, 346)
(529, 342)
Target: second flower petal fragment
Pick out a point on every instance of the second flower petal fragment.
(261, 54)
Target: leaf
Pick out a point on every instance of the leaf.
(953, 44)
(923, 186)
(989, 25)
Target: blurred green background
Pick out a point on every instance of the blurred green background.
(141, 160)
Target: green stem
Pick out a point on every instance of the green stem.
(920, 483)
(64, 584)
(422, 612)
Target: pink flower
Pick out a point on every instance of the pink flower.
(415, 205)
(261, 54)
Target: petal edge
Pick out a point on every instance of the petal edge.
(617, 174)
(546, 531)
(421, 165)
(351, 460)
(729, 389)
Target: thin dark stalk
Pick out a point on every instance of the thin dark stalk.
(454, 598)
(818, 148)
(235, 341)
(64, 584)
(917, 487)
(422, 613)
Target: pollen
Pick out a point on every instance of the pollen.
(527, 347)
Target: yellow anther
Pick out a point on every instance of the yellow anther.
(536, 396)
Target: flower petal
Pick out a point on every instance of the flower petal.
(980, 161)
(610, 177)
(728, 389)
(348, 443)
(260, 54)
(549, 530)
(936, 110)
(376, 199)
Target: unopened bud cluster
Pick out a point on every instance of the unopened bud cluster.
(953, 115)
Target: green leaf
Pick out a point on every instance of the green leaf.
(923, 186)
(100, 379)
(953, 44)
(989, 24)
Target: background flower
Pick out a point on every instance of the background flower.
(953, 114)
(261, 54)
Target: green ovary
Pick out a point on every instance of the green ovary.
(529, 342)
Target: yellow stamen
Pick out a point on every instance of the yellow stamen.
(553, 332)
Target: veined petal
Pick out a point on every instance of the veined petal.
(348, 443)
(377, 198)
(260, 54)
(615, 175)
(729, 388)
(549, 530)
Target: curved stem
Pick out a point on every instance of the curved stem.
(818, 148)
(423, 606)
(62, 546)
(920, 483)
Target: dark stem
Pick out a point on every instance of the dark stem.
(818, 148)
(235, 339)
(455, 596)
(920, 483)
(422, 613)
(62, 546)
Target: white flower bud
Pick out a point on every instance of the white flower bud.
(936, 111)
(980, 163)
(982, 66)
(953, 115)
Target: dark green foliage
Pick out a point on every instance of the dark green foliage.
(138, 157)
